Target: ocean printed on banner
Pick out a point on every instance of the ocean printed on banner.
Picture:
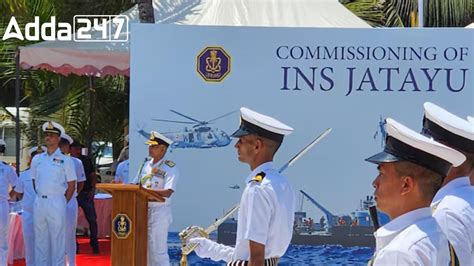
(311, 79)
(213, 64)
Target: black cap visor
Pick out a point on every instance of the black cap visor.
(240, 133)
(383, 157)
(53, 130)
(396, 150)
(247, 128)
(440, 134)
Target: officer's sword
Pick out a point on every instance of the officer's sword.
(186, 249)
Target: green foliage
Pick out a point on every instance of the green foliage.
(403, 13)
(448, 13)
(88, 111)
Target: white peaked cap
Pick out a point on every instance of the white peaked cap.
(448, 128)
(67, 137)
(157, 138)
(36, 148)
(470, 119)
(265, 126)
(53, 127)
(404, 144)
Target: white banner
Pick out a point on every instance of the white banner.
(189, 82)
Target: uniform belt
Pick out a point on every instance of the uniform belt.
(267, 262)
(48, 196)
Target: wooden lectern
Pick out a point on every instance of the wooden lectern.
(129, 222)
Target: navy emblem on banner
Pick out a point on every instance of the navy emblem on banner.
(122, 226)
(213, 64)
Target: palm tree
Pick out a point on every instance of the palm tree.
(98, 112)
(403, 13)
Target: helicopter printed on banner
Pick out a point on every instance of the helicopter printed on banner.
(200, 135)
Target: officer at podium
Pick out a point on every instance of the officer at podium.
(161, 176)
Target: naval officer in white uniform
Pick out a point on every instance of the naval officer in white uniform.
(54, 179)
(161, 176)
(453, 205)
(72, 206)
(267, 205)
(27, 193)
(122, 175)
(8, 178)
(411, 170)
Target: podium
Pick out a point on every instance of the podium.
(129, 222)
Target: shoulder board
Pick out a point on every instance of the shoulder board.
(169, 163)
(259, 177)
(5, 163)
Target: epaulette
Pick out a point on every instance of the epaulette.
(5, 163)
(259, 177)
(169, 163)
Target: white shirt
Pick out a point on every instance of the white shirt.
(160, 175)
(52, 172)
(453, 207)
(413, 238)
(25, 186)
(121, 175)
(80, 174)
(266, 214)
(7, 177)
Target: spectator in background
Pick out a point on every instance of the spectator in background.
(122, 175)
(86, 196)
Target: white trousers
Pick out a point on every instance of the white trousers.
(71, 225)
(4, 215)
(28, 236)
(159, 220)
(49, 216)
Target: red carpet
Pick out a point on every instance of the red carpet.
(85, 256)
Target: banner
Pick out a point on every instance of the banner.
(189, 82)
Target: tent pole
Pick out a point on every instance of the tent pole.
(420, 14)
(17, 105)
(91, 127)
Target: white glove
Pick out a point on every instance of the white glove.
(210, 249)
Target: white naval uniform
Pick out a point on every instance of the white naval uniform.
(51, 174)
(121, 175)
(25, 186)
(71, 215)
(165, 176)
(266, 216)
(413, 238)
(453, 207)
(8, 178)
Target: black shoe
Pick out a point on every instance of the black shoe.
(95, 250)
